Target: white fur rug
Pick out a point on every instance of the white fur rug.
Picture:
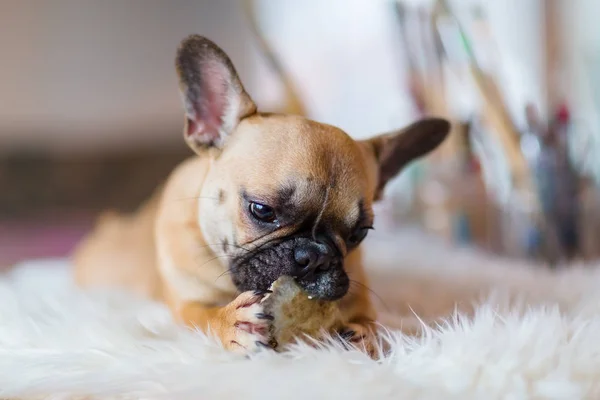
(536, 337)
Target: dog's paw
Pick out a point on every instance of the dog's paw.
(247, 328)
(362, 337)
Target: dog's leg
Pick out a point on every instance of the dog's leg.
(359, 314)
(362, 334)
(190, 270)
(242, 325)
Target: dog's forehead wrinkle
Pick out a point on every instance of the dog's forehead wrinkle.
(330, 197)
(286, 193)
(307, 159)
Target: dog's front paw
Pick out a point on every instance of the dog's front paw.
(246, 327)
(362, 337)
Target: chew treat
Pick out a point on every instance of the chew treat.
(297, 315)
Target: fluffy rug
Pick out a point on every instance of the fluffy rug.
(533, 335)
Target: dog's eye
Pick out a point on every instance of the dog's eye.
(262, 212)
(358, 235)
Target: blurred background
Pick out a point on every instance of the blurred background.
(90, 116)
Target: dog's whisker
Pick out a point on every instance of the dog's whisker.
(240, 247)
(259, 239)
(201, 257)
(213, 259)
(362, 285)
(226, 272)
(352, 290)
(224, 245)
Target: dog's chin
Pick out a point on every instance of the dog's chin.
(328, 286)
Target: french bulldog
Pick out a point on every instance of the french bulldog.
(265, 195)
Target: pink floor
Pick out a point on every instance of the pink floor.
(40, 238)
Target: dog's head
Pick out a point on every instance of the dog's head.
(284, 195)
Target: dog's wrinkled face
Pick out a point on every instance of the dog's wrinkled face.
(284, 195)
(296, 196)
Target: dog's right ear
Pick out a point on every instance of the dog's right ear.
(213, 96)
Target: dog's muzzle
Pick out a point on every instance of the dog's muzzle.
(316, 266)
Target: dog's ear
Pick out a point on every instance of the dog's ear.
(393, 151)
(213, 96)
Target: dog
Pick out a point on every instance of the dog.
(265, 195)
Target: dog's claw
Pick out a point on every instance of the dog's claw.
(261, 292)
(263, 345)
(347, 335)
(250, 326)
(265, 316)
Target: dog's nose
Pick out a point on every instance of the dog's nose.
(311, 259)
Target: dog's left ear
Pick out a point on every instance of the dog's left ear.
(213, 96)
(393, 151)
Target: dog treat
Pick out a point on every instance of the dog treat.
(297, 315)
